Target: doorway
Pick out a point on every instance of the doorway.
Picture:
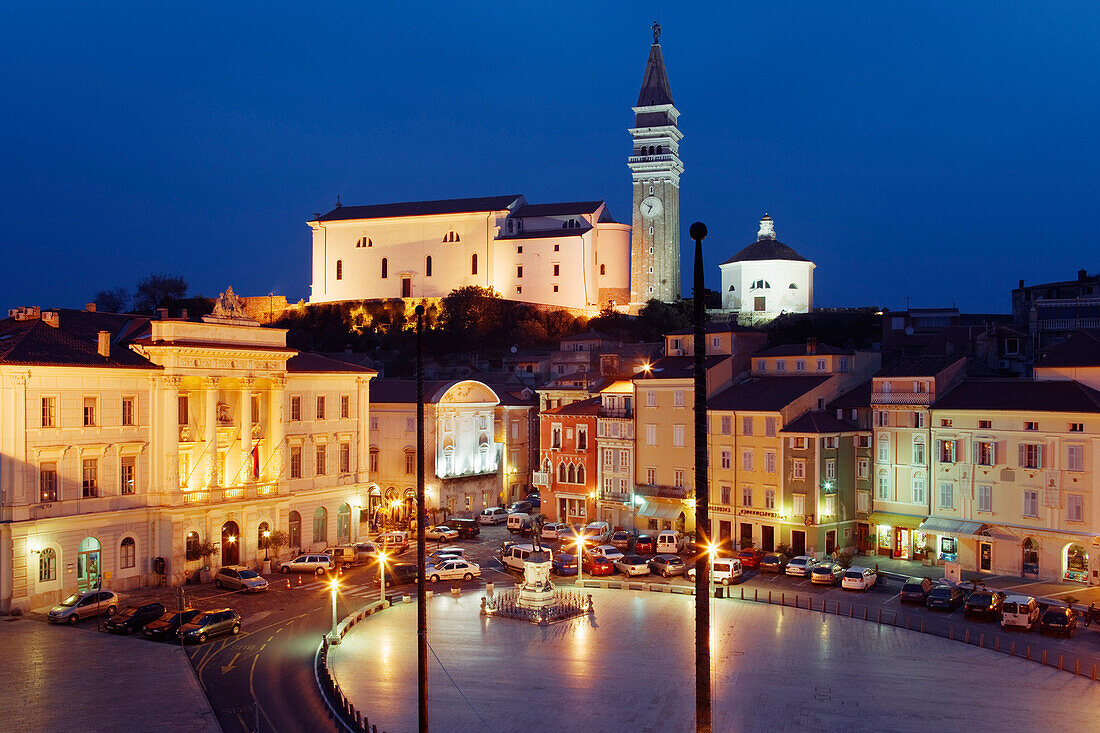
(767, 538)
(231, 543)
(725, 534)
(830, 542)
(745, 532)
(88, 565)
(406, 287)
(798, 542)
(985, 556)
(901, 543)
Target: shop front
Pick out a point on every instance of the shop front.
(759, 526)
(655, 515)
(1075, 563)
(896, 535)
(946, 535)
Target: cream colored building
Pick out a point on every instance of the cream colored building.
(125, 439)
(767, 278)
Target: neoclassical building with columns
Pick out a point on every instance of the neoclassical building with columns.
(127, 442)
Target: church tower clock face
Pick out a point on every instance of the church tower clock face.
(651, 207)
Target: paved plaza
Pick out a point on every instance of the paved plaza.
(58, 678)
(631, 668)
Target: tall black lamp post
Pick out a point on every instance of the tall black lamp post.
(421, 513)
(698, 232)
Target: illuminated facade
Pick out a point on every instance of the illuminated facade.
(767, 278)
(567, 473)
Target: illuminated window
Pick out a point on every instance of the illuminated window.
(127, 553)
(339, 269)
(473, 264)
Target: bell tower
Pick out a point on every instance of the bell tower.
(655, 169)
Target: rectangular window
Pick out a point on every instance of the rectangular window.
(821, 365)
(724, 492)
(798, 443)
(678, 398)
(651, 476)
(746, 426)
(519, 270)
(1031, 503)
(798, 504)
(798, 469)
(883, 487)
(746, 496)
(374, 423)
(128, 411)
(918, 490)
(769, 461)
(727, 425)
(678, 436)
(800, 365)
(410, 463)
(345, 406)
(1031, 455)
(947, 451)
(769, 426)
(945, 423)
(985, 424)
(650, 398)
(769, 498)
(1075, 507)
(373, 461)
(678, 478)
(47, 482)
(345, 458)
(320, 460)
(985, 498)
(761, 365)
(295, 461)
(1077, 427)
(830, 469)
(1075, 458)
(746, 459)
(90, 478)
(582, 438)
(515, 430)
(651, 434)
(863, 468)
(842, 364)
(321, 408)
(781, 366)
(127, 475)
(918, 452)
(49, 412)
(624, 460)
(89, 412)
(727, 458)
(1031, 425)
(127, 554)
(295, 408)
(947, 495)
(608, 458)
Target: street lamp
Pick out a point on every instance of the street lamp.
(334, 636)
(382, 573)
(712, 552)
(579, 541)
(635, 500)
(267, 544)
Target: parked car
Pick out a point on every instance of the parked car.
(317, 564)
(555, 531)
(597, 565)
(857, 578)
(401, 573)
(945, 597)
(394, 543)
(520, 507)
(517, 520)
(666, 565)
(645, 544)
(611, 552)
(238, 577)
(534, 500)
(452, 569)
(1058, 620)
(83, 605)
(441, 533)
(915, 590)
(466, 528)
(367, 552)
(1020, 612)
(563, 564)
(168, 625)
(598, 532)
(669, 541)
(826, 573)
(211, 623)
(456, 552)
(750, 557)
(622, 540)
(984, 604)
(514, 554)
(773, 563)
(724, 570)
(134, 618)
(493, 515)
(341, 555)
(632, 565)
(800, 566)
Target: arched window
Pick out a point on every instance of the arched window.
(603, 269)
(320, 525)
(1031, 551)
(546, 467)
(263, 535)
(343, 524)
(731, 288)
(473, 264)
(572, 474)
(339, 269)
(127, 553)
(428, 266)
(294, 529)
(562, 474)
(792, 286)
(448, 460)
(883, 485)
(47, 565)
(919, 485)
(580, 474)
(192, 544)
(918, 450)
(364, 242)
(385, 268)
(658, 150)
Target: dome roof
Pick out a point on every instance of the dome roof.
(766, 247)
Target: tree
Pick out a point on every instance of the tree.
(112, 301)
(473, 314)
(158, 291)
(277, 541)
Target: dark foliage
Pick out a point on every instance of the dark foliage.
(159, 291)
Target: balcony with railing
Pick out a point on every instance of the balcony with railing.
(219, 494)
(663, 492)
(541, 479)
(622, 412)
(615, 428)
(618, 497)
(650, 158)
(901, 398)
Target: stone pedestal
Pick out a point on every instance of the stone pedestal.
(537, 591)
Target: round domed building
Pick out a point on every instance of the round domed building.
(767, 278)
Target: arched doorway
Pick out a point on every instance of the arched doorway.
(231, 543)
(88, 564)
(1075, 563)
(408, 509)
(374, 507)
(343, 524)
(1030, 557)
(294, 529)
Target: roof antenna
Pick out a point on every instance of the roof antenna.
(338, 204)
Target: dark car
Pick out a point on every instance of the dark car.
(520, 507)
(167, 626)
(563, 564)
(644, 544)
(534, 500)
(946, 597)
(1058, 620)
(621, 540)
(915, 590)
(466, 528)
(134, 618)
(984, 604)
(773, 563)
(401, 573)
(211, 623)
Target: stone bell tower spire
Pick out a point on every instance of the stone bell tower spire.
(655, 169)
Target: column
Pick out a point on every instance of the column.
(363, 436)
(246, 429)
(276, 427)
(167, 437)
(16, 470)
(210, 432)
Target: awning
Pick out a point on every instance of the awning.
(660, 510)
(890, 519)
(954, 527)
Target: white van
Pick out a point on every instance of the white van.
(513, 557)
(1020, 611)
(598, 533)
(493, 515)
(724, 570)
(516, 521)
(670, 542)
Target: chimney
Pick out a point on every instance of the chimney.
(51, 318)
(90, 307)
(104, 344)
(811, 345)
(1082, 275)
(162, 314)
(183, 314)
(1021, 283)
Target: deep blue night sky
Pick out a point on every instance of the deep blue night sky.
(936, 150)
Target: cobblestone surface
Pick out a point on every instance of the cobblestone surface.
(59, 678)
(631, 668)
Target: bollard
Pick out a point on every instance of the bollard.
(880, 615)
(865, 613)
(769, 597)
(1012, 649)
(428, 594)
(851, 610)
(1044, 662)
(922, 626)
(756, 594)
(907, 620)
(838, 608)
(1060, 661)
(455, 591)
(966, 637)
(489, 589)
(742, 593)
(997, 644)
(1094, 673)
(951, 633)
(981, 641)
(796, 600)
(895, 618)
(1077, 666)
(782, 598)
(358, 719)
(1028, 656)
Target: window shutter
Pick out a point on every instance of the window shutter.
(1039, 456)
(1023, 454)
(939, 450)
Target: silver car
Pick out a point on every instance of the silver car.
(309, 564)
(238, 577)
(83, 605)
(801, 566)
(666, 565)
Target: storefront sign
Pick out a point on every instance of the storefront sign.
(759, 513)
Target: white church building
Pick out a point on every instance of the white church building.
(767, 278)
